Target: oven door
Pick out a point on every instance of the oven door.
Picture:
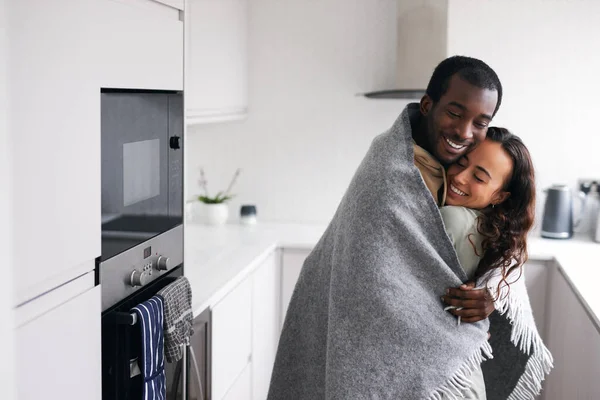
(142, 173)
(121, 345)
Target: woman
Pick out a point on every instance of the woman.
(489, 211)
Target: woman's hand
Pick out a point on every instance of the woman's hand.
(471, 304)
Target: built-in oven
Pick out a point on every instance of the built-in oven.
(142, 234)
(188, 379)
(121, 344)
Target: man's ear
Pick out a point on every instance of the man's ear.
(425, 105)
(500, 197)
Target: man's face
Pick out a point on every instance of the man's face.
(459, 121)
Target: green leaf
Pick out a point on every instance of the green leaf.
(218, 199)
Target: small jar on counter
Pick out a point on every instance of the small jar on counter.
(248, 215)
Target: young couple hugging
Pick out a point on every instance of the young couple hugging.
(422, 262)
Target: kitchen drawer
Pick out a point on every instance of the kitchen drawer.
(231, 338)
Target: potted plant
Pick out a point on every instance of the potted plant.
(214, 209)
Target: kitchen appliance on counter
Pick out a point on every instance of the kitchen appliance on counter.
(592, 209)
(142, 235)
(557, 222)
(589, 212)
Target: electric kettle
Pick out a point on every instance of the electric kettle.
(557, 222)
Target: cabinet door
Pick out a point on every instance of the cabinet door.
(55, 133)
(291, 265)
(138, 44)
(7, 382)
(231, 337)
(216, 60)
(59, 352)
(574, 341)
(265, 325)
(242, 388)
(536, 281)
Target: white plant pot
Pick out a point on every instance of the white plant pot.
(214, 214)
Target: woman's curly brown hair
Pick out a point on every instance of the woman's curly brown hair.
(505, 226)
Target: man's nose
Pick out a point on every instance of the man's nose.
(463, 131)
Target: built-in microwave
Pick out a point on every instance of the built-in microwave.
(142, 171)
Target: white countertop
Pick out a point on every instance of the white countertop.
(218, 258)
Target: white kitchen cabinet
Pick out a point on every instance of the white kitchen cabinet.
(61, 53)
(59, 352)
(216, 77)
(231, 338)
(55, 132)
(537, 275)
(242, 388)
(265, 324)
(574, 340)
(291, 265)
(138, 44)
(7, 381)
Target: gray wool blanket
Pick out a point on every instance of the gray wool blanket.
(366, 320)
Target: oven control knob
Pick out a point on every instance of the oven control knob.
(163, 263)
(138, 278)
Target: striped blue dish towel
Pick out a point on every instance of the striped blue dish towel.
(152, 357)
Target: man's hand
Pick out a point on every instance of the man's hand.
(472, 304)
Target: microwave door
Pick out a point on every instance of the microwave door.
(135, 153)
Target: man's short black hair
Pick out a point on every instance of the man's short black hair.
(472, 70)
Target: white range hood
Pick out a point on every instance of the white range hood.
(421, 44)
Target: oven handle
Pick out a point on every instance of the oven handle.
(121, 318)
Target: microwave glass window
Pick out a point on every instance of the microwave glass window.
(141, 171)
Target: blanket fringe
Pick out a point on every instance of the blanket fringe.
(525, 337)
(530, 383)
(454, 387)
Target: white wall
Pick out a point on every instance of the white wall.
(307, 131)
(6, 300)
(547, 54)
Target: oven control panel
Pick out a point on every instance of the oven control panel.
(141, 277)
(131, 270)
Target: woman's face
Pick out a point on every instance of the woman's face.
(476, 179)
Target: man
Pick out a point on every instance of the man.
(462, 97)
(365, 319)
